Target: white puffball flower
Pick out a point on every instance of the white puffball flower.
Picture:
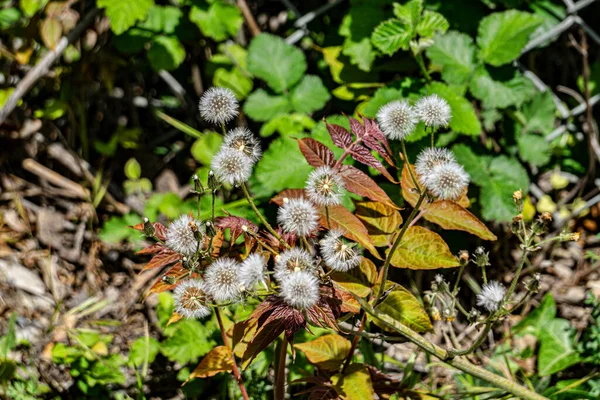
(223, 280)
(252, 271)
(429, 158)
(325, 187)
(397, 119)
(244, 141)
(447, 181)
(190, 299)
(300, 290)
(491, 296)
(181, 237)
(292, 260)
(298, 216)
(231, 166)
(434, 111)
(218, 105)
(337, 253)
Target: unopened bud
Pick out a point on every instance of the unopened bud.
(515, 224)
(533, 285)
(518, 199)
(434, 313)
(213, 183)
(169, 280)
(197, 184)
(185, 262)
(463, 257)
(148, 228)
(482, 257)
(568, 237)
(473, 315)
(210, 229)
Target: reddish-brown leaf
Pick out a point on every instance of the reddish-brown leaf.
(177, 272)
(356, 127)
(152, 249)
(361, 184)
(316, 153)
(160, 231)
(234, 224)
(375, 140)
(363, 155)
(340, 135)
(289, 194)
(165, 257)
(219, 359)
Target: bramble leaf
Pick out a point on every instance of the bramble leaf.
(261, 106)
(220, 21)
(309, 95)
(124, 14)
(454, 55)
(391, 36)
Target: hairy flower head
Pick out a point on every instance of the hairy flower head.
(434, 111)
(491, 296)
(337, 253)
(252, 271)
(397, 119)
(292, 260)
(447, 181)
(182, 233)
(429, 158)
(190, 299)
(231, 166)
(244, 141)
(300, 290)
(298, 216)
(223, 280)
(325, 187)
(218, 105)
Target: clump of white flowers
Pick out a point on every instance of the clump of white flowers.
(430, 157)
(252, 271)
(397, 119)
(300, 289)
(292, 260)
(242, 140)
(298, 216)
(491, 296)
(182, 235)
(337, 253)
(190, 299)
(223, 280)
(231, 166)
(325, 187)
(434, 111)
(218, 105)
(441, 174)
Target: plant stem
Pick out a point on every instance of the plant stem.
(234, 369)
(476, 343)
(327, 215)
(280, 379)
(515, 280)
(212, 215)
(388, 259)
(419, 58)
(261, 217)
(355, 341)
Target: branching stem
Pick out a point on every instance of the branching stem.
(235, 370)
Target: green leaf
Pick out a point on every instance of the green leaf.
(431, 23)
(327, 352)
(261, 106)
(556, 350)
(162, 19)
(534, 149)
(357, 27)
(288, 124)
(206, 147)
(497, 94)
(355, 384)
(8, 341)
(133, 170)
(219, 21)
(133, 41)
(9, 17)
(402, 306)
(464, 120)
(143, 351)
(175, 123)
(30, 7)
(166, 53)
(309, 95)
(279, 64)
(453, 54)
(421, 248)
(502, 35)
(539, 114)
(234, 79)
(116, 229)
(540, 317)
(409, 13)
(361, 53)
(188, 341)
(391, 36)
(124, 14)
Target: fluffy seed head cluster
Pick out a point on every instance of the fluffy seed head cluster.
(231, 166)
(325, 187)
(252, 271)
(430, 157)
(339, 255)
(242, 140)
(433, 111)
(300, 290)
(298, 216)
(293, 260)
(218, 105)
(223, 280)
(397, 119)
(491, 296)
(441, 174)
(190, 299)
(181, 234)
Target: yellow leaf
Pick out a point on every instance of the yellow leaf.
(402, 306)
(350, 283)
(380, 220)
(326, 352)
(217, 360)
(546, 204)
(174, 318)
(100, 348)
(421, 248)
(355, 384)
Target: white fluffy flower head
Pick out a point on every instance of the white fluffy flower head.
(429, 158)
(293, 260)
(190, 299)
(447, 181)
(300, 290)
(244, 141)
(298, 216)
(397, 119)
(337, 253)
(252, 271)
(231, 166)
(218, 105)
(491, 296)
(223, 280)
(434, 111)
(181, 234)
(325, 187)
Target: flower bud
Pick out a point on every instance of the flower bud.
(533, 285)
(515, 224)
(518, 199)
(198, 187)
(148, 228)
(463, 257)
(448, 315)
(169, 280)
(213, 183)
(210, 229)
(473, 315)
(482, 257)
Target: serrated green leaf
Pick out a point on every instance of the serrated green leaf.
(454, 55)
(240, 84)
(188, 340)
(361, 53)
(534, 149)
(219, 21)
(357, 27)
(206, 147)
(556, 349)
(327, 352)
(409, 13)
(162, 19)
(464, 120)
(288, 124)
(538, 318)
(261, 106)
(143, 351)
(276, 62)
(166, 53)
(539, 114)
(309, 95)
(496, 94)
(391, 36)
(501, 36)
(475, 164)
(124, 14)
(431, 23)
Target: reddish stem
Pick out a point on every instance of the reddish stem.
(280, 379)
(234, 368)
(355, 341)
(345, 154)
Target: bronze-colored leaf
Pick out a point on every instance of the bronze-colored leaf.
(380, 220)
(217, 360)
(316, 153)
(339, 135)
(327, 352)
(165, 257)
(361, 184)
(51, 32)
(355, 384)
(363, 155)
